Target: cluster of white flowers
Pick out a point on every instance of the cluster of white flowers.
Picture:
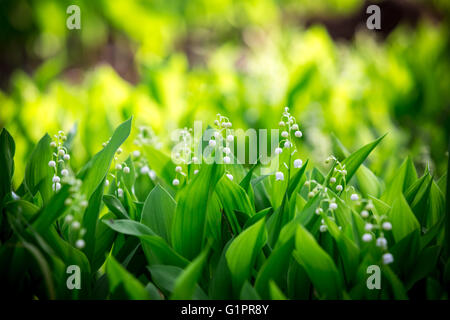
(340, 174)
(118, 167)
(184, 154)
(375, 227)
(290, 129)
(146, 136)
(76, 204)
(223, 140)
(75, 228)
(59, 160)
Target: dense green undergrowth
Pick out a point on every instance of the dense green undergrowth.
(221, 231)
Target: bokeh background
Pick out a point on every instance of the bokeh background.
(168, 63)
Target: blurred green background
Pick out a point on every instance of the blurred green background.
(168, 63)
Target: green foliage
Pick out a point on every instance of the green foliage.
(204, 238)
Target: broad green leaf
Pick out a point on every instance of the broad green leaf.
(402, 181)
(7, 150)
(348, 250)
(354, 161)
(278, 220)
(398, 289)
(158, 211)
(189, 221)
(153, 291)
(442, 183)
(402, 218)
(18, 207)
(158, 251)
(185, 284)
(129, 227)
(214, 220)
(298, 283)
(233, 198)
(275, 292)
(55, 208)
(90, 219)
(38, 174)
(119, 276)
(248, 292)
(246, 182)
(221, 284)
(380, 208)
(104, 239)
(275, 268)
(115, 206)
(425, 265)
(93, 173)
(165, 277)
(318, 265)
(295, 182)
(436, 205)
(242, 253)
(160, 163)
(367, 180)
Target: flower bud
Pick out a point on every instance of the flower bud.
(367, 237)
(279, 176)
(388, 258)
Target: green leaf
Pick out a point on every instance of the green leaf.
(38, 175)
(160, 163)
(368, 182)
(242, 253)
(233, 198)
(353, 162)
(274, 268)
(248, 292)
(402, 218)
(104, 239)
(158, 251)
(93, 173)
(424, 266)
(185, 284)
(275, 292)
(18, 207)
(402, 181)
(7, 150)
(90, 219)
(115, 206)
(318, 265)
(158, 211)
(246, 182)
(118, 276)
(295, 184)
(165, 277)
(55, 208)
(348, 250)
(398, 289)
(189, 221)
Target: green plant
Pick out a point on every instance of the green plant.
(135, 234)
